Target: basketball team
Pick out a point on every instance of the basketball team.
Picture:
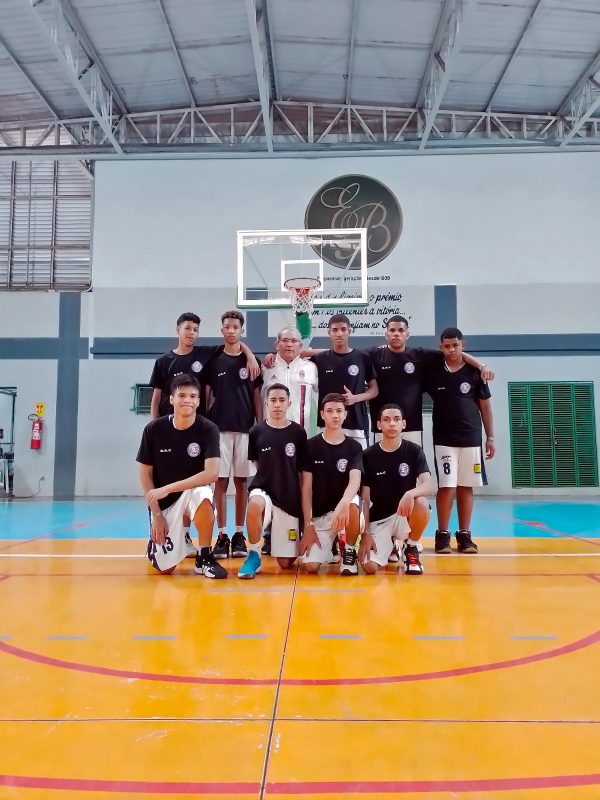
(306, 499)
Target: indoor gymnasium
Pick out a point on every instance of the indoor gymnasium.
(299, 375)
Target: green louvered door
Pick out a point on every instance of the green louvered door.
(553, 434)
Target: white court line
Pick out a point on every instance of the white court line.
(423, 555)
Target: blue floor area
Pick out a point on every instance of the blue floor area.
(127, 519)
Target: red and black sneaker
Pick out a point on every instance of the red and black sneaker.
(410, 557)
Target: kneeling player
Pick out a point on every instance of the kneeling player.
(179, 459)
(330, 485)
(277, 447)
(396, 483)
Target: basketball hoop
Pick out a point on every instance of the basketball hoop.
(302, 294)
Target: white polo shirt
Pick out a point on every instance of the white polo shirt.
(300, 376)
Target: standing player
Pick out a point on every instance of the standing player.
(234, 404)
(187, 358)
(330, 485)
(346, 371)
(461, 402)
(179, 459)
(401, 373)
(396, 483)
(277, 447)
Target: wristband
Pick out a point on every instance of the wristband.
(156, 514)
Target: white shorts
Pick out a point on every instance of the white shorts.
(174, 550)
(410, 436)
(459, 466)
(234, 455)
(285, 530)
(384, 531)
(356, 434)
(321, 553)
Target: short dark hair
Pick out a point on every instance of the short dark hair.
(387, 407)
(451, 333)
(281, 386)
(184, 380)
(233, 314)
(396, 318)
(332, 397)
(188, 317)
(339, 318)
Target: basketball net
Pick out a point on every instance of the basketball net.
(302, 295)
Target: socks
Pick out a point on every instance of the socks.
(255, 547)
(222, 532)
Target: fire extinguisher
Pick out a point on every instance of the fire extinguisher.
(37, 426)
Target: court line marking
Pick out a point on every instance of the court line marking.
(140, 637)
(477, 557)
(301, 787)
(40, 658)
(534, 638)
(263, 719)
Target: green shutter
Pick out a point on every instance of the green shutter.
(142, 397)
(553, 434)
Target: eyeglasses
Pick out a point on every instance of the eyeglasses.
(290, 341)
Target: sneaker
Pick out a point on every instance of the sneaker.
(335, 556)
(251, 565)
(221, 548)
(191, 549)
(266, 548)
(394, 556)
(410, 557)
(349, 565)
(464, 543)
(238, 545)
(208, 566)
(442, 542)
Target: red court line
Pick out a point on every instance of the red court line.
(455, 672)
(594, 577)
(301, 787)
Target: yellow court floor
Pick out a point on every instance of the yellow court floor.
(477, 680)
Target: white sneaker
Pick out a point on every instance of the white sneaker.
(349, 565)
(190, 547)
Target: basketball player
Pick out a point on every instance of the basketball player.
(330, 484)
(277, 447)
(234, 404)
(179, 459)
(396, 482)
(461, 402)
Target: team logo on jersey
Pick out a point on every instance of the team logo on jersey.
(196, 366)
(243, 373)
(301, 374)
(353, 369)
(465, 387)
(409, 367)
(404, 469)
(193, 449)
(342, 464)
(272, 378)
(290, 449)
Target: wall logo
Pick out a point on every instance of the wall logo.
(342, 464)
(290, 449)
(243, 373)
(409, 367)
(465, 387)
(403, 469)
(353, 369)
(193, 449)
(196, 366)
(356, 201)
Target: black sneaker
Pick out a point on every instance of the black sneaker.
(464, 543)
(394, 556)
(266, 547)
(349, 565)
(208, 566)
(442, 542)
(221, 548)
(410, 557)
(238, 545)
(334, 557)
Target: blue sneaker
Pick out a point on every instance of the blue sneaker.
(250, 566)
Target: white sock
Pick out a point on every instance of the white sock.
(254, 547)
(222, 532)
(239, 529)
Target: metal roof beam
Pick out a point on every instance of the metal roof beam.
(258, 39)
(445, 48)
(587, 103)
(569, 106)
(30, 80)
(351, 52)
(177, 54)
(514, 54)
(87, 79)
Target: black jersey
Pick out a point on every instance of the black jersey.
(390, 475)
(175, 455)
(167, 366)
(279, 453)
(233, 391)
(330, 465)
(401, 379)
(352, 370)
(455, 395)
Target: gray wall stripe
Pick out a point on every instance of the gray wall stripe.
(67, 395)
(446, 307)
